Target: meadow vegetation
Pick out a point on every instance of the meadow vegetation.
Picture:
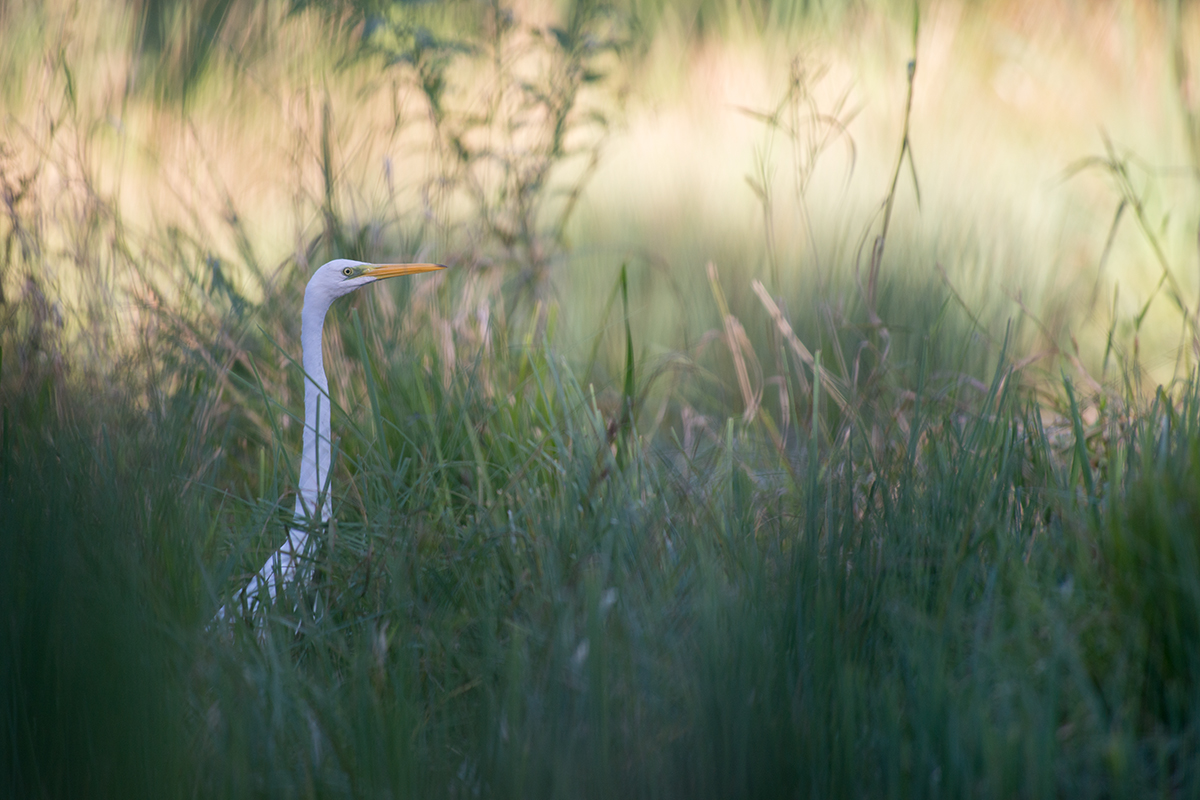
(811, 407)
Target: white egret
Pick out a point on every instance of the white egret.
(329, 282)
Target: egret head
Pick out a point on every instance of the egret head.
(342, 276)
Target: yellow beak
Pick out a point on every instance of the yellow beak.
(382, 271)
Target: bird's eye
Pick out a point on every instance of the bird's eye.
(348, 271)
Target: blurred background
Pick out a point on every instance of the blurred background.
(538, 147)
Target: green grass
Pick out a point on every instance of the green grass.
(624, 538)
(506, 609)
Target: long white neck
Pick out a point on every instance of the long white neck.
(287, 563)
(314, 458)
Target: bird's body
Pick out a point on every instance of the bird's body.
(329, 282)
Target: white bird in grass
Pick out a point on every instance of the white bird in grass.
(330, 281)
